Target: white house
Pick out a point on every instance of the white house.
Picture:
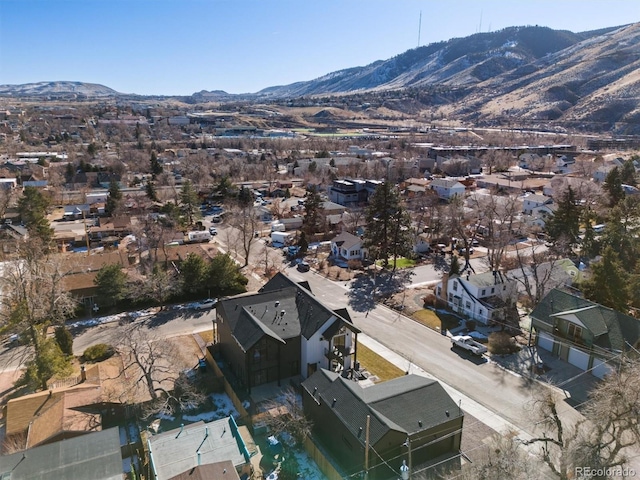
(447, 188)
(348, 247)
(532, 202)
(484, 297)
(422, 244)
(564, 164)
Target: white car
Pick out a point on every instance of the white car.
(206, 304)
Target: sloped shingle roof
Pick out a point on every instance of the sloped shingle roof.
(251, 317)
(346, 240)
(611, 329)
(406, 404)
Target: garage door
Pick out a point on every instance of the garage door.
(545, 341)
(578, 358)
(600, 369)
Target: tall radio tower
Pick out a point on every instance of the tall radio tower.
(419, 27)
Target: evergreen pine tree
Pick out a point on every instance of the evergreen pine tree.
(387, 234)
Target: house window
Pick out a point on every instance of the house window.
(480, 312)
(493, 289)
(484, 292)
(575, 331)
(450, 298)
(468, 304)
(455, 286)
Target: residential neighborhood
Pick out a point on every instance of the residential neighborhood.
(198, 297)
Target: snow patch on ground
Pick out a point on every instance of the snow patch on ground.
(307, 468)
(205, 416)
(224, 405)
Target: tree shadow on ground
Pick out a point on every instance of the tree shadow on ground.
(369, 288)
(165, 316)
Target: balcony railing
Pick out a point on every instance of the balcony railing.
(338, 352)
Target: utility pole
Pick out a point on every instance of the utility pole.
(409, 455)
(86, 233)
(405, 470)
(366, 449)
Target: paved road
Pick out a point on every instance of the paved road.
(165, 324)
(501, 391)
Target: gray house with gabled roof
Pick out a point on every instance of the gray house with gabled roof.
(410, 410)
(283, 331)
(585, 334)
(348, 247)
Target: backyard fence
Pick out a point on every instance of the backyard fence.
(245, 418)
(321, 460)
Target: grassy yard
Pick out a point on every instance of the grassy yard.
(207, 336)
(435, 320)
(401, 262)
(377, 365)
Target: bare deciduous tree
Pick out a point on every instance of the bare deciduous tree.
(285, 414)
(536, 271)
(504, 458)
(605, 437)
(150, 363)
(246, 224)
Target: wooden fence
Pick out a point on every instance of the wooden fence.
(245, 418)
(321, 460)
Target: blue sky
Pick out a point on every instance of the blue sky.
(183, 46)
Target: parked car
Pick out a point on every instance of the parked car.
(213, 230)
(466, 342)
(206, 304)
(303, 267)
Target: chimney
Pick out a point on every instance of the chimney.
(445, 286)
(181, 429)
(83, 374)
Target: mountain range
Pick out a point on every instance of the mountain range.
(588, 80)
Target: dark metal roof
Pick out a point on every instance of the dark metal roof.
(408, 404)
(94, 456)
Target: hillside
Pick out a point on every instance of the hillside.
(54, 89)
(526, 75)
